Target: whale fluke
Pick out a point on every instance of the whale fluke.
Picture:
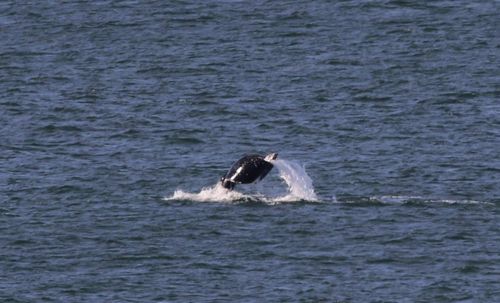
(249, 169)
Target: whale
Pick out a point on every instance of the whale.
(248, 169)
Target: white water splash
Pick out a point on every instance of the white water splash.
(209, 194)
(299, 188)
(298, 181)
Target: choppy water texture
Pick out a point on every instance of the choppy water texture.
(117, 116)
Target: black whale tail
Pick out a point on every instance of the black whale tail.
(249, 169)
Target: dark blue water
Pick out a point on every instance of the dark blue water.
(108, 108)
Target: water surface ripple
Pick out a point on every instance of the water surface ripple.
(108, 107)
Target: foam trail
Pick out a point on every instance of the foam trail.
(396, 199)
(299, 183)
(209, 194)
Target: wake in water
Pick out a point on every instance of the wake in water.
(299, 188)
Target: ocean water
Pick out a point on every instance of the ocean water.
(117, 119)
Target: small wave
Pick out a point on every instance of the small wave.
(395, 199)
